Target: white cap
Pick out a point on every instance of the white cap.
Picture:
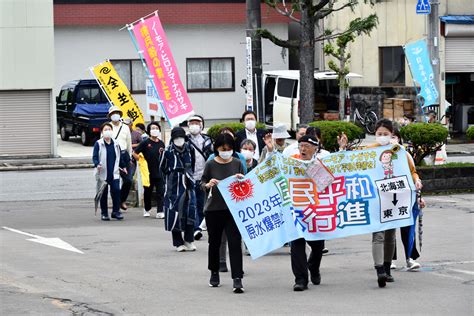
(279, 131)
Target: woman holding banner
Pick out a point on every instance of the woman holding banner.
(217, 214)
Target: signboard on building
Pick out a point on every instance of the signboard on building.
(249, 86)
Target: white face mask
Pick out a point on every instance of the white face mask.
(107, 134)
(383, 140)
(179, 142)
(225, 154)
(247, 154)
(155, 132)
(250, 125)
(115, 117)
(194, 129)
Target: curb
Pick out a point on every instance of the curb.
(47, 167)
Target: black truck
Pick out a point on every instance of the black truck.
(81, 109)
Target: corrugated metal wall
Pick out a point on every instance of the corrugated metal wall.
(459, 54)
(25, 122)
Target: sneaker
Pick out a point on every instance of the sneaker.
(238, 288)
(325, 251)
(223, 267)
(393, 266)
(381, 276)
(412, 264)
(146, 213)
(197, 235)
(298, 287)
(214, 280)
(124, 206)
(203, 226)
(316, 279)
(117, 215)
(190, 246)
(105, 218)
(160, 215)
(181, 248)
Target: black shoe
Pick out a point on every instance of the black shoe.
(388, 272)
(197, 235)
(325, 250)
(238, 287)
(381, 276)
(223, 267)
(117, 215)
(105, 218)
(316, 279)
(214, 281)
(298, 287)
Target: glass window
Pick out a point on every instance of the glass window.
(210, 74)
(286, 88)
(138, 76)
(392, 65)
(63, 96)
(132, 73)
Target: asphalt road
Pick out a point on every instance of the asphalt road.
(130, 267)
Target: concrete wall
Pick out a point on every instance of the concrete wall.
(27, 49)
(79, 48)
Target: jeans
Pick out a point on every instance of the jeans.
(115, 194)
(178, 239)
(199, 202)
(158, 184)
(217, 223)
(127, 179)
(383, 246)
(300, 264)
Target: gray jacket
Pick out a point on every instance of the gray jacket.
(102, 155)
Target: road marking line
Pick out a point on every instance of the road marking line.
(462, 271)
(53, 242)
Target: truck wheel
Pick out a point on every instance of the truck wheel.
(64, 134)
(85, 138)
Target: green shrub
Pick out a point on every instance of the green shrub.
(214, 130)
(426, 138)
(331, 129)
(470, 133)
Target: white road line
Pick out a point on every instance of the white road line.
(462, 271)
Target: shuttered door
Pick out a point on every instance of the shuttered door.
(459, 54)
(25, 122)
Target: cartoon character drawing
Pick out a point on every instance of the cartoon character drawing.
(386, 159)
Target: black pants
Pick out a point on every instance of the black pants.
(217, 223)
(158, 185)
(405, 235)
(127, 179)
(300, 264)
(188, 233)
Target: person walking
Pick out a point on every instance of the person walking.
(300, 263)
(217, 214)
(201, 145)
(249, 118)
(123, 137)
(247, 149)
(180, 213)
(152, 149)
(107, 163)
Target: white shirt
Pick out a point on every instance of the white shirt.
(198, 140)
(253, 136)
(124, 139)
(291, 150)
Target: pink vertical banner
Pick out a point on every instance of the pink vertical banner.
(151, 39)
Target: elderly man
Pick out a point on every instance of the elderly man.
(300, 264)
(293, 148)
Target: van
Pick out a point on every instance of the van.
(81, 108)
(281, 95)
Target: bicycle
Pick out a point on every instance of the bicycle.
(366, 119)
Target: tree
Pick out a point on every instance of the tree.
(308, 13)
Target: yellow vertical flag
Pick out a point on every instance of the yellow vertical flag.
(117, 91)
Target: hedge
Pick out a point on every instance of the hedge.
(470, 133)
(214, 130)
(331, 129)
(426, 139)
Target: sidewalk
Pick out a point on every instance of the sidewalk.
(72, 155)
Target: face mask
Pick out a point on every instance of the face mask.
(179, 142)
(107, 134)
(250, 125)
(155, 132)
(115, 117)
(225, 154)
(194, 129)
(383, 140)
(247, 154)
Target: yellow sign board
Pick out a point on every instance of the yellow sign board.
(117, 91)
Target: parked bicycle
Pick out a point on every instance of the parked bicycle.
(364, 117)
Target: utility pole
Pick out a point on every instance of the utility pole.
(254, 22)
(433, 45)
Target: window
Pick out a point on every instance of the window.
(210, 74)
(392, 66)
(91, 95)
(132, 74)
(287, 88)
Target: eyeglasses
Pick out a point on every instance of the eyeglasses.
(305, 146)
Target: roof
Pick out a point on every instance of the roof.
(457, 19)
(318, 75)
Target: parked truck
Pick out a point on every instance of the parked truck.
(81, 109)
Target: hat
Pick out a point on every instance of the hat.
(177, 132)
(309, 139)
(279, 131)
(113, 109)
(195, 118)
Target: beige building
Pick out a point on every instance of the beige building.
(380, 58)
(26, 78)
